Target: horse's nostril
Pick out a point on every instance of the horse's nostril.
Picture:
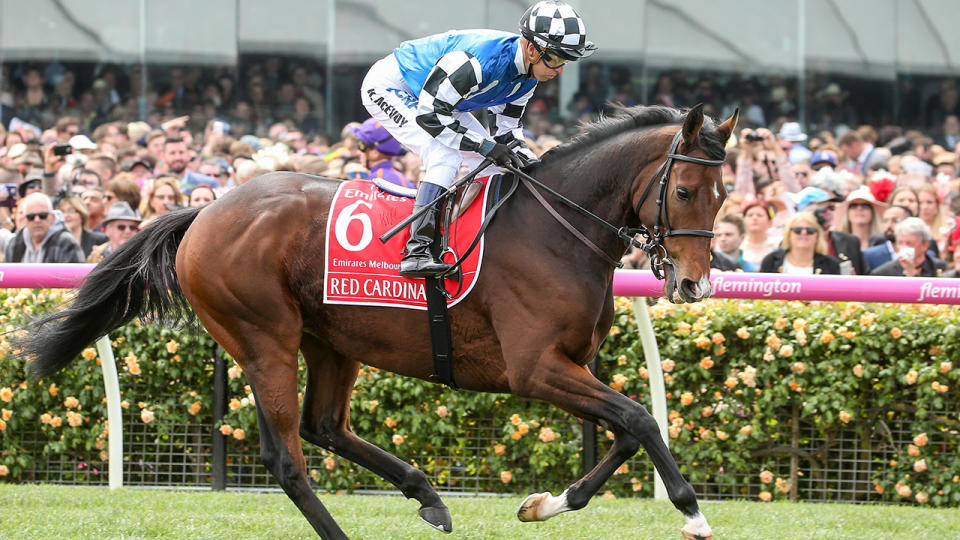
(690, 288)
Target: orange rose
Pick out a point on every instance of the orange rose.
(766, 477)
(845, 417)
(547, 435)
(686, 398)
(743, 333)
(765, 496)
(506, 476)
(896, 333)
(706, 362)
(921, 439)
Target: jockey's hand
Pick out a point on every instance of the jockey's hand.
(503, 156)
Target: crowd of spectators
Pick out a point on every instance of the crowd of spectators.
(81, 173)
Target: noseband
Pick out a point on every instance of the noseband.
(653, 241)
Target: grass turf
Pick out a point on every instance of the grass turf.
(40, 512)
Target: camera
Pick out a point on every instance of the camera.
(753, 137)
(906, 254)
(62, 149)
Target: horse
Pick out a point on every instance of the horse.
(249, 267)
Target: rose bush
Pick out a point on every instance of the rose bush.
(738, 375)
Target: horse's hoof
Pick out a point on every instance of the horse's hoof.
(438, 517)
(697, 528)
(528, 508)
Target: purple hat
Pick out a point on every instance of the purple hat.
(375, 136)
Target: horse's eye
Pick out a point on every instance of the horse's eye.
(683, 193)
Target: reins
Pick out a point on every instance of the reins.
(653, 241)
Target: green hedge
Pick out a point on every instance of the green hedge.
(739, 376)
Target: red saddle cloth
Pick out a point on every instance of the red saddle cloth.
(362, 270)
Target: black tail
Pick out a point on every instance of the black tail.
(138, 280)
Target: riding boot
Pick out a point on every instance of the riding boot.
(418, 261)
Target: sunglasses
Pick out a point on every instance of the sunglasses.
(553, 62)
(859, 205)
(123, 227)
(804, 230)
(39, 215)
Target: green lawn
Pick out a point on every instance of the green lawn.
(39, 512)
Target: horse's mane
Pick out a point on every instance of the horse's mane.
(629, 118)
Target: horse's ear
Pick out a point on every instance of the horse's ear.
(692, 125)
(726, 128)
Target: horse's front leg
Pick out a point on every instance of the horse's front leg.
(558, 380)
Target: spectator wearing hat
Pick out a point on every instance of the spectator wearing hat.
(804, 249)
(860, 216)
(912, 259)
(790, 136)
(44, 237)
(32, 183)
(378, 146)
(119, 226)
(945, 163)
(82, 144)
(843, 246)
(75, 217)
(823, 158)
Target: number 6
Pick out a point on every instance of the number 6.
(343, 222)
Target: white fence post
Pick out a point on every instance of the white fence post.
(657, 390)
(111, 385)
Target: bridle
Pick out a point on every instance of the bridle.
(653, 241)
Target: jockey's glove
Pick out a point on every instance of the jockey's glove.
(503, 156)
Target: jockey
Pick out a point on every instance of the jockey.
(377, 146)
(424, 91)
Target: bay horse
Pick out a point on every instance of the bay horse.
(250, 266)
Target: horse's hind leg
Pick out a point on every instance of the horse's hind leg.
(269, 360)
(558, 380)
(326, 423)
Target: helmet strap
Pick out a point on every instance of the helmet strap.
(532, 62)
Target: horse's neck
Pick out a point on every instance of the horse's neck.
(601, 179)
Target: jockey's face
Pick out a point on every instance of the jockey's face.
(540, 70)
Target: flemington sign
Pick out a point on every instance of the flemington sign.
(896, 290)
(899, 290)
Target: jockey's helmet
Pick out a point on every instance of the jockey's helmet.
(556, 28)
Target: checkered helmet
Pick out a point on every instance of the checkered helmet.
(556, 28)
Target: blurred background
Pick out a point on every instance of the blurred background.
(825, 63)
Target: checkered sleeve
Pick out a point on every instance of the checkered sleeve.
(507, 123)
(456, 75)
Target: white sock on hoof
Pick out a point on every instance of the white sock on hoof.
(697, 525)
(548, 506)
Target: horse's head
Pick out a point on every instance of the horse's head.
(688, 193)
